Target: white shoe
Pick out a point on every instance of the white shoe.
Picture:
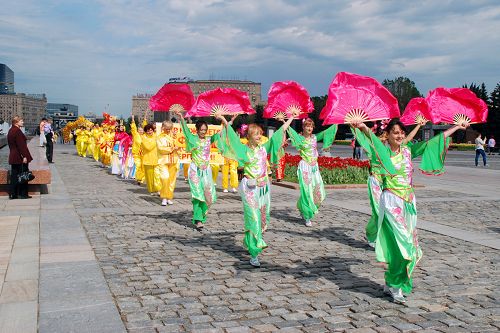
(255, 262)
(396, 294)
(170, 202)
(372, 244)
(308, 223)
(152, 193)
(185, 179)
(234, 190)
(164, 202)
(225, 190)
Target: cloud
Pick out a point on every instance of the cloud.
(99, 52)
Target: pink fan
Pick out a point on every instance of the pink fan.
(457, 106)
(225, 101)
(418, 111)
(285, 98)
(172, 97)
(355, 98)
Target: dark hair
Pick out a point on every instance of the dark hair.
(148, 127)
(44, 118)
(394, 122)
(199, 124)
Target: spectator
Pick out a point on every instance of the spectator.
(49, 134)
(19, 158)
(480, 149)
(356, 149)
(42, 134)
(491, 145)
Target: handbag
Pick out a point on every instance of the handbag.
(25, 176)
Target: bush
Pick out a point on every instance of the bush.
(334, 170)
(462, 146)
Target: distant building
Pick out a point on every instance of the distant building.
(6, 80)
(30, 107)
(61, 114)
(140, 102)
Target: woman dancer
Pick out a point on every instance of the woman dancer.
(396, 241)
(255, 186)
(167, 162)
(312, 190)
(150, 158)
(200, 173)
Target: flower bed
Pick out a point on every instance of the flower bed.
(334, 170)
(462, 146)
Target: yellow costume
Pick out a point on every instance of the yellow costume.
(137, 153)
(229, 174)
(215, 172)
(168, 165)
(150, 161)
(108, 140)
(97, 135)
(79, 138)
(90, 143)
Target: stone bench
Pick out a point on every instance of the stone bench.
(39, 166)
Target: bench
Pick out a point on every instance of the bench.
(39, 166)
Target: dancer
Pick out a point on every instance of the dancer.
(150, 158)
(117, 156)
(374, 181)
(167, 162)
(396, 241)
(200, 173)
(230, 170)
(312, 190)
(137, 151)
(255, 186)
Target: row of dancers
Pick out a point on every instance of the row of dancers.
(391, 229)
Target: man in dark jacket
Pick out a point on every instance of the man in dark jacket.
(19, 157)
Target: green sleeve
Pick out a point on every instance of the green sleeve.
(327, 136)
(230, 146)
(274, 147)
(191, 139)
(433, 153)
(296, 138)
(379, 154)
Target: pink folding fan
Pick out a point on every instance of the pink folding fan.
(355, 98)
(172, 97)
(417, 111)
(285, 98)
(457, 106)
(227, 101)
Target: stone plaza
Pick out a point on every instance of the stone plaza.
(99, 254)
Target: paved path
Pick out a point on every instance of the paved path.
(109, 251)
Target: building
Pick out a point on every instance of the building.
(6, 80)
(30, 107)
(140, 102)
(61, 114)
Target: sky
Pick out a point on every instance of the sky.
(98, 54)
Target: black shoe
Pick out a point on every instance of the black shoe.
(25, 197)
(12, 196)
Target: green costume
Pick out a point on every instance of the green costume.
(312, 189)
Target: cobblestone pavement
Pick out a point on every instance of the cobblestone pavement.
(167, 277)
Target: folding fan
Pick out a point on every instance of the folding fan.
(227, 101)
(354, 98)
(172, 97)
(416, 111)
(285, 98)
(457, 106)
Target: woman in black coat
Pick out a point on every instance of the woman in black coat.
(19, 157)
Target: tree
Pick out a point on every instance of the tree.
(403, 89)
(493, 124)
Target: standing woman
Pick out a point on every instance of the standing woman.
(167, 162)
(149, 157)
(200, 173)
(396, 241)
(480, 142)
(137, 134)
(312, 190)
(254, 187)
(19, 157)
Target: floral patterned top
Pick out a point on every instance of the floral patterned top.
(308, 147)
(254, 160)
(199, 148)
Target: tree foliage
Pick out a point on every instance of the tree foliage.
(403, 89)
